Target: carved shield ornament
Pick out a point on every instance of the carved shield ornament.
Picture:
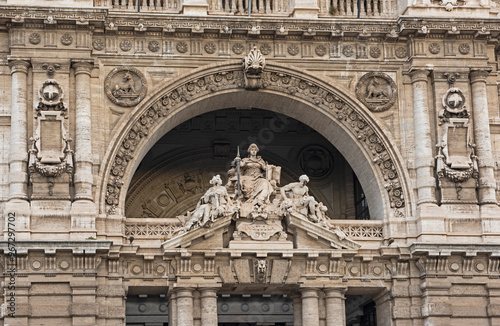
(454, 100)
(377, 91)
(50, 93)
(125, 86)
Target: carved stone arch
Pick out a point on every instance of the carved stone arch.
(332, 112)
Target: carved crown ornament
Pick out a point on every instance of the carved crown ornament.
(272, 78)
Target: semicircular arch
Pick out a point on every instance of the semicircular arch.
(331, 111)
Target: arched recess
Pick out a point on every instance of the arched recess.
(329, 110)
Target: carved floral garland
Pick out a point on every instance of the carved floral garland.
(285, 83)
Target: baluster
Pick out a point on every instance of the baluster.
(369, 8)
(241, 7)
(360, 7)
(349, 7)
(341, 7)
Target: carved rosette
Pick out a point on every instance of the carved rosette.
(126, 86)
(278, 81)
(377, 91)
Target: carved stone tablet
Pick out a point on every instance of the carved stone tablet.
(377, 91)
(125, 86)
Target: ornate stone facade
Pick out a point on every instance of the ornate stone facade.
(368, 194)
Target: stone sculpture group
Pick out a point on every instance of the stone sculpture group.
(252, 196)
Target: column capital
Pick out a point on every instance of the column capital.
(309, 292)
(19, 65)
(82, 66)
(418, 74)
(335, 292)
(208, 292)
(479, 74)
(184, 292)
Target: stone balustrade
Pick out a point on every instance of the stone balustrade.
(158, 229)
(325, 8)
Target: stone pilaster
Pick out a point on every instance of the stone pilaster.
(424, 161)
(18, 208)
(335, 307)
(208, 307)
(184, 298)
(436, 307)
(172, 308)
(481, 122)
(83, 137)
(310, 306)
(83, 210)
(297, 310)
(18, 156)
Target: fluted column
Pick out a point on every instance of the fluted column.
(335, 307)
(208, 307)
(424, 161)
(18, 156)
(184, 307)
(310, 309)
(482, 138)
(83, 137)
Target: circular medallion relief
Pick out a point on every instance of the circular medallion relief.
(377, 91)
(315, 161)
(36, 265)
(210, 48)
(238, 48)
(320, 50)
(293, 49)
(35, 38)
(464, 48)
(125, 45)
(98, 44)
(154, 46)
(125, 86)
(64, 265)
(401, 52)
(66, 39)
(266, 49)
(434, 48)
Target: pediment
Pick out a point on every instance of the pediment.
(309, 235)
(210, 237)
(298, 233)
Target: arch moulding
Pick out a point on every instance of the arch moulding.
(350, 127)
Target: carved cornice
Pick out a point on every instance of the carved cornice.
(273, 79)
